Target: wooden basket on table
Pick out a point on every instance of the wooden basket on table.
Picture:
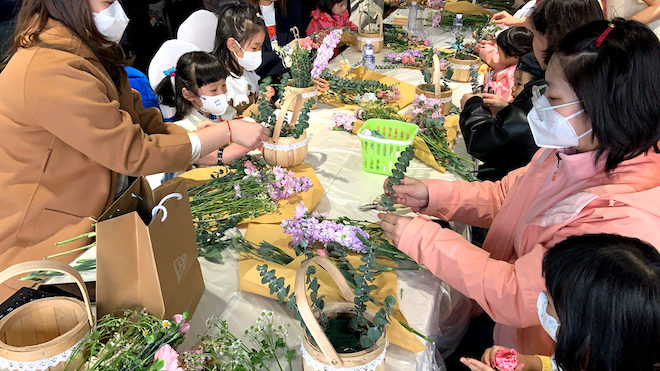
(443, 96)
(42, 335)
(323, 356)
(375, 37)
(462, 67)
(287, 151)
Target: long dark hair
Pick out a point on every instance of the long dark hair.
(77, 16)
(236, 21)
(554, 19)
(515, 41)
(619, 85)
(606, 291)
(193, 70)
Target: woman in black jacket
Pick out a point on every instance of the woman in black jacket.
(287, 16)
(504, 142)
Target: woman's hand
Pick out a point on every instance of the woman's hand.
(490, 353)
(270, 92)
(411, 192)
(249, 134)
(393, 226)
(475, 365)
(494, 102)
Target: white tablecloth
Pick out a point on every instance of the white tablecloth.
(335, 156)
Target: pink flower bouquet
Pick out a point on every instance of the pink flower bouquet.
(505, 360)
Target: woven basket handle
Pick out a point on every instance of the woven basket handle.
(378, 15)
(306, 312)
(55, 266)
(436, 75)
(291, 97)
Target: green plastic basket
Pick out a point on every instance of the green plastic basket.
(379, 155)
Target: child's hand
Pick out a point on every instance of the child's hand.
(393, 226)
(495, 103)
(411, 192)
(205, 124)
(465, 98)
(475, 365)
(270, 92)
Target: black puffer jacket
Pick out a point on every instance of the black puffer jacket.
(503, 142)
(271, 64)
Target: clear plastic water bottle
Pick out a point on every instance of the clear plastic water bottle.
(457, 28)
(412, 17)
(368, 55)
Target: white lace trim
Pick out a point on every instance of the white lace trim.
(40, 365)
(461, 66)
(360, 38)
(318, 366)
(444, 100)
(310, 94)
(286, 147)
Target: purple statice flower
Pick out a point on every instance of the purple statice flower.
(237, 188)
(436, 20)
(326, 51)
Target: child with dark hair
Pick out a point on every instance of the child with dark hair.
(527, 68)
(196, 89)
(512, 44)
(598, 126)
(238, 45)
(601, 305)
(330, 14)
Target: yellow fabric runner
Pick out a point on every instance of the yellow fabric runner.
(387, 281)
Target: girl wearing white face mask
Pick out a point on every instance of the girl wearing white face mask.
(600, 81)
(238, 41)
(71, 125)
(196, 89)
(601, 305)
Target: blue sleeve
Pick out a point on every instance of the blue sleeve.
(140, 83)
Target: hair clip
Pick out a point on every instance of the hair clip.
(260, 16)
(602, 36)
(171, 72)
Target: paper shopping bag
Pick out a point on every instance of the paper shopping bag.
(147, 252)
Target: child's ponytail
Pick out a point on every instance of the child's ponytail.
(193, 70)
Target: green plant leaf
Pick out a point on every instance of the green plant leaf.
(374, 333)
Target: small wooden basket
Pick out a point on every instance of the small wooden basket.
(307, 94)
(375, 37)
(324, 357)
(45, 332)
(462, 67)
(287, 151)
(444, 96)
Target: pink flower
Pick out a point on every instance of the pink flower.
(382, 94)
(306, 43)
(301, 209)
(250, 166)
(322, 252)
(171, 358)
(505, 360)
(184, 326)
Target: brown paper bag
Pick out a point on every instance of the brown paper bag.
(148, 263)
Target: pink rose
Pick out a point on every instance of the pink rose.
(170, 356)
(505, 360)
(250, 166)
(322, 252)
(382, 94)
(306, 43)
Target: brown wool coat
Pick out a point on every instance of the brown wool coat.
(66, 133)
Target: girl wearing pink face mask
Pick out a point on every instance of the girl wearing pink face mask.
(598, 124)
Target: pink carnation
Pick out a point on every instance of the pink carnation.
(306, 43)
(505, 360)
(170, 356)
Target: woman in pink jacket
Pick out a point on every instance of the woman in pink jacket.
(598, 171)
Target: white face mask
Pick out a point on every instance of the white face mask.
(111, 22)
(250, 61)
(549, 128)
(215, 105)
(548, 322)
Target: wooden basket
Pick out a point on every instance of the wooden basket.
(286, 151)
(462, 67)
(44, 332)
(375, 37)
(323, 356)
(444, 96)
(307, 94)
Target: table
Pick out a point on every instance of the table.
(430, 305)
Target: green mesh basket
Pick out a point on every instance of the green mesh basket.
(379, 155)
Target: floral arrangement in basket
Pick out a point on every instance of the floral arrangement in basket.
(415, 58)
(246, 189)
(361, 91)
(266, 111)
(399, 40)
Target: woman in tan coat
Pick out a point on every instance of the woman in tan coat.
(70, 125)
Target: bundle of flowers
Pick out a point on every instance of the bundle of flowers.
(399, 40)
(247, 189)
(325, 52)
(413, 58)
(343, 121)
(435, 4)
(361, 91)
(133, 340)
